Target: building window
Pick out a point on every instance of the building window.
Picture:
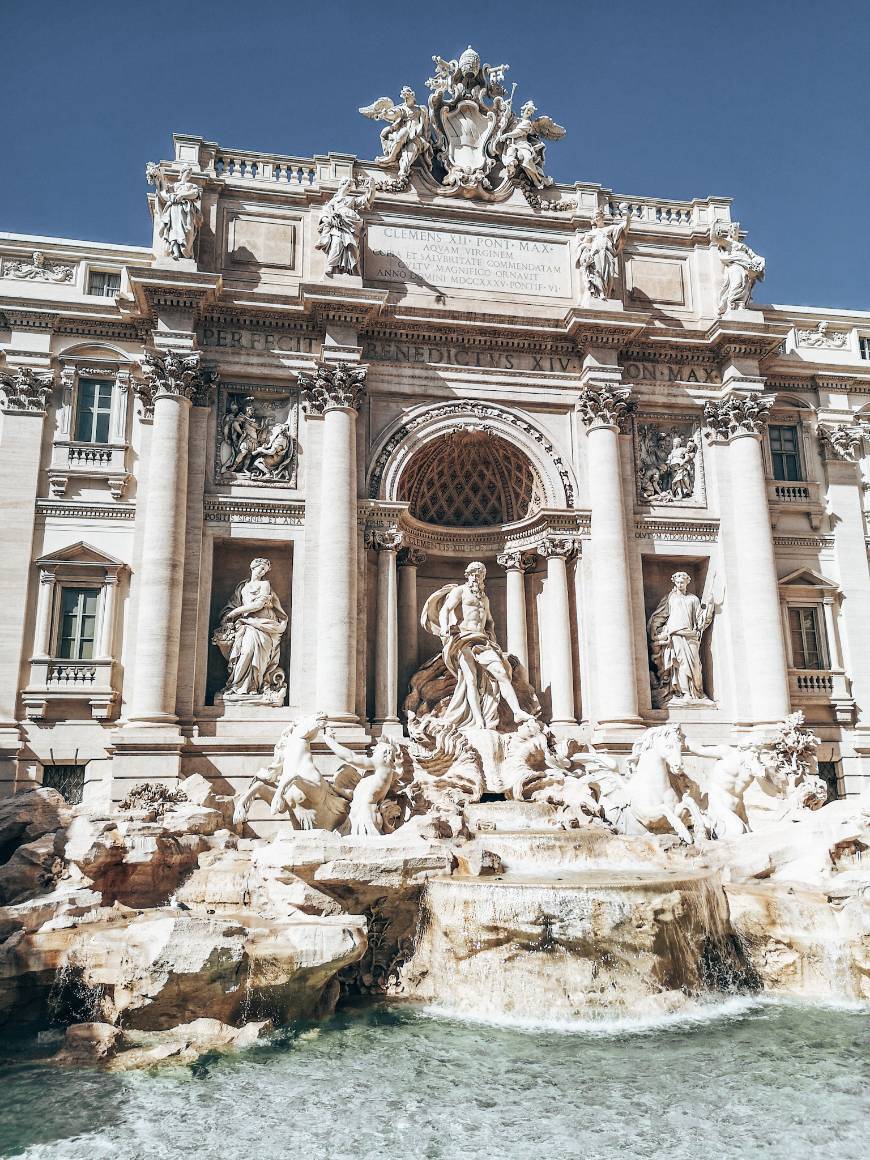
(68, 780)
(106, 283)
(93, 410)
(78, 623)
(829, 772)
(864, 346)
(784, 452)
(807, 644)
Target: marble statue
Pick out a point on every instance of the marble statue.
(460, 615)
(301, 790)
(249, 638)
(598, 252)
(38, 269)
(537, 767)
(741, 268)
(675, 631)
(406, 136)
(655, 794)
(340, 226)
(379, 775)
(179, 207)
(735, 769)
(520, 142)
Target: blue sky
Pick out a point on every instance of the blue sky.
(766, 102)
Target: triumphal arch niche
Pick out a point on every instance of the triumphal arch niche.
(434, 445)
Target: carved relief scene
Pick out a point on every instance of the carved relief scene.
(669, 463)
(256, 437)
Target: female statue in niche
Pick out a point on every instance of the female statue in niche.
(249, 637)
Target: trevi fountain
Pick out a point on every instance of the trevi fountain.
(452, 740)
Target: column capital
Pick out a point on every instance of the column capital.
(737, 414)
(516, 561)
(411, 557)
(168, 373)
(339, 385)
(384, 539)
(605, 405)
(25, 389)
(842, 441)
(562, 547)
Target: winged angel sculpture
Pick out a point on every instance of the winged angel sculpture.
(468, 137)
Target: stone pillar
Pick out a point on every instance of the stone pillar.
(24, 398)
(386, 543)
(842, 445)
(105, 649)
(516, 564)
(171, 380)
(603, 407)
(408, 561)
(560, 663)
(740, 420)
(44, 603)
(337, 391)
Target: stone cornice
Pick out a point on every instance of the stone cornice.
(604, 328)
(731, 338)
(221, 509)
(82, 510)
(351, 306)
(160, 289)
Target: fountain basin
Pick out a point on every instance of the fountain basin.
(569, 944)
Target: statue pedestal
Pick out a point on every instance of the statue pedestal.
(167, 262)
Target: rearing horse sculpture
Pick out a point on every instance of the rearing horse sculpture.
(648, 799)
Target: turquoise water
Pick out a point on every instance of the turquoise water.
(745, 1079)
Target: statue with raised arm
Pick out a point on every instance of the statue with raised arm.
(598, 252)
(675, 631)
(379, 775)
(180, 210)
(735, 768)
(461, 616)
(406, 136)
(340, 226)
(312, 801)
(521, 143)
(249, 638)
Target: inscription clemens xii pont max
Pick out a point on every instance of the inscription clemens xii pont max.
(440, 258)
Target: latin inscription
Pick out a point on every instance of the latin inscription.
(435, 259)
(242, 339)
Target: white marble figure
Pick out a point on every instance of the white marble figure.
(521, 143)
(734, 771)
(405, 138)
(379, 777)
(665, 474)
(539, 768)
(180, 211)
(37, 269)
(254, 447)
(649, 799)
(302, 791)
(249, 637)
(741, 269)
(675, 632)
(460, 615)
(340, 226)
(598, 253)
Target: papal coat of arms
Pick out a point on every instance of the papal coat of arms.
(468, 137)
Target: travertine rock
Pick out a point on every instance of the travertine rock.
(104, 1044)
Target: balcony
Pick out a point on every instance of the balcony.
(797, 496)
(87, 682)
(91, 461)
(823, 686)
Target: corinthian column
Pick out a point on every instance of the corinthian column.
(170, 382)
(739, 420)
(516, 564)
(408, 561)
(336, 391)
(560, 663)
(603, 407)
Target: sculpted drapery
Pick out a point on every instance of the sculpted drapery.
(249, 636)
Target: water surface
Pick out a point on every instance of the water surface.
(745, 1079)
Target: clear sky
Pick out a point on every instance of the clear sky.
(767, 102)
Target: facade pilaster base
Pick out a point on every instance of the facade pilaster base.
(150, 754)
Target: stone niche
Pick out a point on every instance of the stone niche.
(657, 572)
(231, 566)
